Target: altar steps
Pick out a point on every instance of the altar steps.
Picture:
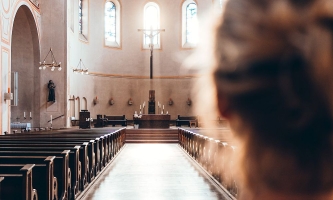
(151, 135)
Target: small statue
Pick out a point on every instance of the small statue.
(51, 87)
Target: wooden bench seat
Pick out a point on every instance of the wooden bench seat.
(17, 184)
(116, 120)
(61, 166)
(43, 178)
(186, 120)
(88, 153)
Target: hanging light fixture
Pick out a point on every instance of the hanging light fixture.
(43, 65)
(81, 68)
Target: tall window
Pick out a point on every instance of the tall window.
(189, 24)
(151, 21)
(112, 23)
(72, 15)
(80, 16)
(83, 20)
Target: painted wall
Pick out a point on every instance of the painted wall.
(8, 9)
(131, 60)
(54, 24)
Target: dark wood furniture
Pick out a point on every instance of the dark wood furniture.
(88, 153)
(116, 120)
(84, 119)
(17, 183)
(100, 121)
(43, 170)
(152, 121)
(186, 120)
(151, 102)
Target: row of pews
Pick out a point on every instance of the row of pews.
(215, 156)
(54, 165)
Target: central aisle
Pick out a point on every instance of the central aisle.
(153, 172)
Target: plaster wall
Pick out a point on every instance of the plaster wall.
(54, 35)
(8, 9)
(131, 59)
(24, 60)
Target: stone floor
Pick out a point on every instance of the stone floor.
(154, 172)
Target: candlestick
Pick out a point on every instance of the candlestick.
(30, 114)
(51, 119)
(140, 107)
(24, 114)
(163, 106)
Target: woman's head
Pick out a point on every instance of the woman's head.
(274, 83)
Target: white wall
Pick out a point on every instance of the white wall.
(131, 60)
(8, 9)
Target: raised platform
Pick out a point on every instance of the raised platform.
(152, 135)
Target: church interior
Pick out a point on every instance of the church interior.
(100, 100)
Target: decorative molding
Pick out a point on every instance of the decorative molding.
(142, 77)
(35, 3)
(5, 29)
(6, 5)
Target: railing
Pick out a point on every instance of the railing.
(56, 118)
(215, 156)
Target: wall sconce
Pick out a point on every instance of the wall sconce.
(189, 102)
(8, 95)
(130, 102)
(111, 101)
(95, 101)
(170, 101)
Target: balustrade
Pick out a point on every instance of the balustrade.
(215, 156)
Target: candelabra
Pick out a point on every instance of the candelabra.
(43, 65)
(80, 69)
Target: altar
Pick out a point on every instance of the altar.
(152, 121)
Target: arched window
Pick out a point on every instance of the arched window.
(80, 16)
(112, 23)
(72, 15)
(189, 24)
(83, 19)
(151, 21)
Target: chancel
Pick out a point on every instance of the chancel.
(68, 132)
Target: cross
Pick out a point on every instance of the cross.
(151, 33)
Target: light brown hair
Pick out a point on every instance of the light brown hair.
(274, 76)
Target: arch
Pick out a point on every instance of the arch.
(112, 26)
(189, 24)
(72, 107)
(25, 56)
(84, 105)
(77, 107)
(151, 19)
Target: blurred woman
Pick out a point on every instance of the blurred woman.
(274, 83)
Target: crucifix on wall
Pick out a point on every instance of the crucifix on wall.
(151, 33)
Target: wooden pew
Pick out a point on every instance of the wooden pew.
(61, 166)
(18, 184)
(186, 120)
(101, 149)
(1, 179)
(87, 153)
(116, 120)
(42, 174)
(80, 166)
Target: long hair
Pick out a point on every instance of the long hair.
(274, 67)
